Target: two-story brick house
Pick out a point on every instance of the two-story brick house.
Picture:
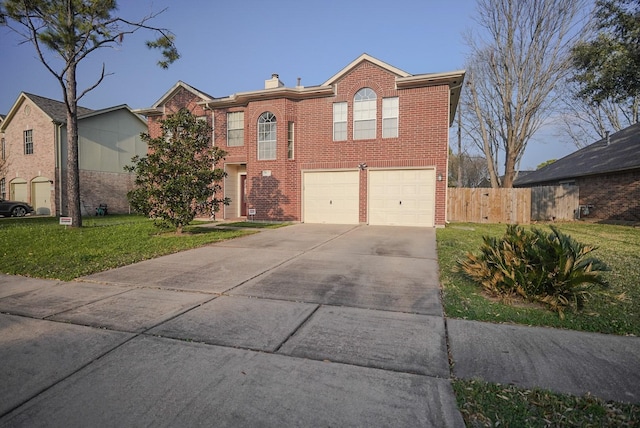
(369, 145)
(34, 147)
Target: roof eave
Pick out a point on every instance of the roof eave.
(243, 98)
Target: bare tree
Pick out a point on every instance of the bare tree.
(584, 121)
(515, 61)
(70, 30)
(473, 170)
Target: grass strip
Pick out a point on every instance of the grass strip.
(41, 248)
(485, 404)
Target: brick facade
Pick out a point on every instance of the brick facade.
(614, 196)
(274, 187)
(40, 165)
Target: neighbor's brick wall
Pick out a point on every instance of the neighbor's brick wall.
(98, 187)
(39, 164)
(613, 196)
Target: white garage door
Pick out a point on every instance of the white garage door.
(402, 197)
(331, 197)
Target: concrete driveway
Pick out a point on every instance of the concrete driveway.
(308, 325)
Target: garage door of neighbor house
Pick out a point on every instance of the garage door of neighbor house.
(40, 195)
(18, 190)
(331, 197)
(402, 197)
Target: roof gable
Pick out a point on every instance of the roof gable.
(56, 110)
(181, 85)
(108, 110)
(619, 152)
(365, 57)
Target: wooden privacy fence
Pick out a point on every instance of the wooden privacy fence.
(518, 205)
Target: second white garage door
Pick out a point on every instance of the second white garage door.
(402, 197)
(331, 197)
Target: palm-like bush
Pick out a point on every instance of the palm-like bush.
(551, 268)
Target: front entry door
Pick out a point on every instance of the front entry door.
(243, 195)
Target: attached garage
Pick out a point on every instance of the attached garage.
(331, 197)
(402, 197)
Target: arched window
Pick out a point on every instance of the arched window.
(364, 114)
(266, 136)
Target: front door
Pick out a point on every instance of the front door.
(243, 195)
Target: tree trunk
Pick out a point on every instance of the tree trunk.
(73, 170)
(509, 170)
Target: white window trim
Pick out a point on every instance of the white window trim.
(343, 120)
(239, 128)
(272, 143)
(362, 110)
(395, 115)
(291, 139)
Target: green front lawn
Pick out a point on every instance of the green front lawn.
(617, 311)
(39, 247)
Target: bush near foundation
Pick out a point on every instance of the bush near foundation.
(538, 266)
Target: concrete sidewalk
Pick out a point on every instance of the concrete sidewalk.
(308, 325)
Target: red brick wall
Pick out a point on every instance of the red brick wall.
(274, 187)
(39, 164)
(613, 196)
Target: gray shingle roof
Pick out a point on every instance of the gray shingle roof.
(55, 109)
(620, 154)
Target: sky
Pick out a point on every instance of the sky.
(234, 46)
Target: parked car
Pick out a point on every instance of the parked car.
(14, 208)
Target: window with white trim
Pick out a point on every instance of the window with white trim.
(390, 117)
(235, 129)
(290, 139)
(3, 188)
(364, 114)
(267, 136)
(28, 142)
(3, 149)
(339, 121)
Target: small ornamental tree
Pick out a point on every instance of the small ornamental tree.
(178, 178)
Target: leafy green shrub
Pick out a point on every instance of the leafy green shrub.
(551, 268)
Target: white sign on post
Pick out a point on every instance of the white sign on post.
(66, 221)
(252, 211)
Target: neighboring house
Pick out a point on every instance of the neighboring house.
(35, 146)
(606, 172)
(369, 145)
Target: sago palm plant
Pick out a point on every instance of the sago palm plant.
(551, 268)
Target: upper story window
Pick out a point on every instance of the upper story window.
(390, 117)
(267, 136)
(339, 121)
(364, 114)
(235, 129)
(3, 149)
(28, 142)
(290, 139)
(204, 119)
